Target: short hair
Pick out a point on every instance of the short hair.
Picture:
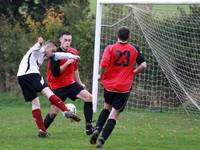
(51, 44)
(123, 33)
(65, 33)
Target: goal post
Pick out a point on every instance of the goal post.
(179, 87)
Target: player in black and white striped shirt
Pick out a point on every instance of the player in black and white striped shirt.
(31, 81)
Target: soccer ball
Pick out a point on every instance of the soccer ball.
(71, 107)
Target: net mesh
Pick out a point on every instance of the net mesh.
(169, 38)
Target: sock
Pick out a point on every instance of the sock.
(102, 119)
(88, 113)
(55, 100)
(36, 113)
(48, 120)
(110, 125)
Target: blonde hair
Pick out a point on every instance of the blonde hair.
(50, 44)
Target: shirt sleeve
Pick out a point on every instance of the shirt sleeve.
(40, 59)
(36, 47)
(105, 61)
(140, 58)
(54, 66)
(63, 55)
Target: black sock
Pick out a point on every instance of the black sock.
(102, 119)
(88, 112)
(110, 125)
(48, 120)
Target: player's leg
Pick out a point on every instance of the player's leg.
(55, 100)
(110, 125)
(119, 101)
(39, 85)
(62, 94)
(37, 115)
(29, 85)
(88, 112)
(103, 116)
(51, 116)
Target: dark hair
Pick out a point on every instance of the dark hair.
(65, 33)
(123, 33)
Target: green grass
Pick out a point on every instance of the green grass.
(134, 130)
(93, 6)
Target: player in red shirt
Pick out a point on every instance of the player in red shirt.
(116, 75)
(31, 81)
(63, 78)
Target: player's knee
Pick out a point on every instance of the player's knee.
(35, 104)
(88, 98)
(114, 114)
(52, 115)
(54, 111)
(107, 107)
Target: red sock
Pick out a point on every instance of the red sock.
(36, 113)
(55, 100)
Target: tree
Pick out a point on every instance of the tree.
(48, 18)
(11, 49)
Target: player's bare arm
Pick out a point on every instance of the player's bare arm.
(101, 72)
(64, 55)
(77, 78)
(140, 68)
(67, 63)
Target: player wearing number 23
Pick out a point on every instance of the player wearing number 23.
(119, 60)
(117, 71)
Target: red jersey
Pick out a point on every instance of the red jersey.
(119, 61)
(55, 78)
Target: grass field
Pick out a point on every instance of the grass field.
(93, 5)
(134, 130)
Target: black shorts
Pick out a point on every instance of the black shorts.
(30, 85)
(70, 91)
(117, 100)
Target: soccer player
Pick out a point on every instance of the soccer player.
(63, 78)
(31, 81)
(117, 72)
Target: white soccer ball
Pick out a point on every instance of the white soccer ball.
(71, 107)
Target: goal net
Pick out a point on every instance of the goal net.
(169, 38)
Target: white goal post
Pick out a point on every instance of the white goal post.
(98, 28)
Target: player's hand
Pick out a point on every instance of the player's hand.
(135, 72)
(99, 77)
(76, 57)
(83, 85)
(40, 40)
(69, 61)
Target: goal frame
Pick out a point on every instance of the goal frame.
(99, 8)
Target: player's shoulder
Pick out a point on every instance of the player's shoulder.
(108, 47)
(134, 46)
(111, 46)
(73, 50)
